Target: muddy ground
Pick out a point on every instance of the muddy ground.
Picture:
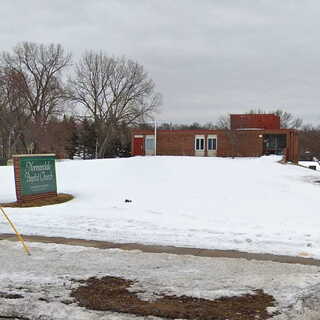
(113, 294)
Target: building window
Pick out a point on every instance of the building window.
(212, 144)
(200, 144)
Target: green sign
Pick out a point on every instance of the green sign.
(37, 174)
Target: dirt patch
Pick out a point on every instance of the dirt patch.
(60, 198)
(111, 294)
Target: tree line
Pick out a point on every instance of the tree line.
(85, 108)
(49, 103)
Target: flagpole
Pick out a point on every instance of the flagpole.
(155, 137)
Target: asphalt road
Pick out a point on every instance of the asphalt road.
(167, 249)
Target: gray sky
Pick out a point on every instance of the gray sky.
(207, 58)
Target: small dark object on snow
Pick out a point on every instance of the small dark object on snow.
(127, 200)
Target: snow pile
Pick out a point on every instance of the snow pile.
(249, 204)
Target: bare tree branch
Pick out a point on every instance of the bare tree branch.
(114, 91)
(40, 69)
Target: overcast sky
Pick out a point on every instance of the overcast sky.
(207, 57)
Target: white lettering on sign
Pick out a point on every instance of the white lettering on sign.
(38, 173)
(31, 167)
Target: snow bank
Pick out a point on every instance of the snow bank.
(250, 204)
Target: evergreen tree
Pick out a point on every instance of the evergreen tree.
(87, 139)
(73, 142)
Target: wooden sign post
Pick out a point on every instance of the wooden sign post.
(35, 176)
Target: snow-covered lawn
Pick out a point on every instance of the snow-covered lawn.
(310, 163)
(249, 204)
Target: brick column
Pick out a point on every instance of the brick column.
(16, 165)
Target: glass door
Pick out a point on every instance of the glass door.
(199, 145)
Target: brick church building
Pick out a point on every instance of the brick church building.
(250, 135)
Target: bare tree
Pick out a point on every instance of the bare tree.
(223, 122)
(309, 142)
(38, 68)
(113, 91)
(288, 120)
(13, 116)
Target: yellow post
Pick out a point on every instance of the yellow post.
(16, 231)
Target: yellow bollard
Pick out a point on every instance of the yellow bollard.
(17, 233)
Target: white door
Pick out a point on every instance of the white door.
(212, 145)
(199, 145)
(149, 145)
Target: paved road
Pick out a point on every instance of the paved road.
(166, 249)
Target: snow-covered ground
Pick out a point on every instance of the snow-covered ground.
(249, 204)
(310, 163)
(44, 280)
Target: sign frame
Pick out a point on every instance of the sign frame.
(35, 176)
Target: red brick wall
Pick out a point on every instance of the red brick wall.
(234, 143)
(261, 121)
(178, 143)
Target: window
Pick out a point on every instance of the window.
(212, 144)
(200, 144)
